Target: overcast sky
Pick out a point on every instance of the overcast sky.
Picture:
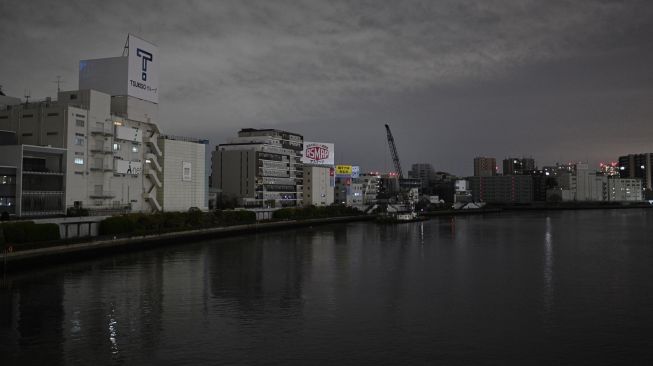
(555, 80)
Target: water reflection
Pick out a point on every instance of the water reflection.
(548, 267)
(525, 285)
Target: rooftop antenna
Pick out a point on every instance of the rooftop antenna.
(27, 96)
(59, 81)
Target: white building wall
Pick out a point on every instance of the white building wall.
(317, 188)
(182, 191)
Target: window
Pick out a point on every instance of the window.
(80, 115)
(27, 134)
(116, 146)
(135, 149)
(79, 161)
(28, 115)
(79, 134)
(4, 117)
(79, 141)
(79, 153)
(79, 123)
(53, 114)
(73, 96)
(52, 133)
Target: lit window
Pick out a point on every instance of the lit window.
(116, 146)
(79, 161)
(135, 149)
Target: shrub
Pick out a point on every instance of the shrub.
(29, 232)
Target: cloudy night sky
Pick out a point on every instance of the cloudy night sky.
(555, 80)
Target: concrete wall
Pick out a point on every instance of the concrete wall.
(179, 191)
(317, 188)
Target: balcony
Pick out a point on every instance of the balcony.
(101, 150)
(102, 131)
(102, 194)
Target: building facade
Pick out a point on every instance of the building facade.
(518, 166)
(485, 167)
(318, 187)
(260, 168)
(502, 189)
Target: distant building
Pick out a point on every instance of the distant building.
(424, 172)
(502, 189)
(485, 167)
(260, 167)
(518, 166)
(638, 166)
(348, 191)
(370, 183)
(463, 191)
(625, 189)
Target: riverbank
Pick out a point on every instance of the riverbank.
(72, 251)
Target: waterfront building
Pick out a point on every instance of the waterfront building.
(260, 167)
(370, 184)
(318, 187)
(115, 158)
(518, 166)
(502, 189)
(463, 192)
(625, 189)
(485, 167)
(638, 166)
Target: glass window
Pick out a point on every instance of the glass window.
(79, 141)
(135, 149)
(79, 161)
(79, 123)
(116, 146)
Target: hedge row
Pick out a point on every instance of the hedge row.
(140, 223)
(313, 212)
(28, 232)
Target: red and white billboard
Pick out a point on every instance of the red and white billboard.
(318, 153)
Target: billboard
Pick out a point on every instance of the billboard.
(129, 133)
(355, 171)
(143, 70)
(343, 171)
(318, 153)
(128, 167)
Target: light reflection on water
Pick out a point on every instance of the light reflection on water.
(508, 288)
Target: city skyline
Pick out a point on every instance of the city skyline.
(558, 82)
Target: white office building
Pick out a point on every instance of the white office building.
(114, 157)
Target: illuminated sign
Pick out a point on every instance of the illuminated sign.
(143, 70)
(318, 153)
(343, 171)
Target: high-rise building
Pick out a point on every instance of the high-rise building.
(422, 171)
(637, 166)
(485, 167)
(260, 167)
(518, 166)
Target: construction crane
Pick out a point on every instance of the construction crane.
(393, 151)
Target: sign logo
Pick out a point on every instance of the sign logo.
(317, 152)
(145, 57)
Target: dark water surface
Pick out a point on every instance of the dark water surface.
(571, 287)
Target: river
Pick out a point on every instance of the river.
(568, 287)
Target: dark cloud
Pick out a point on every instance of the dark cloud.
(558, 80)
